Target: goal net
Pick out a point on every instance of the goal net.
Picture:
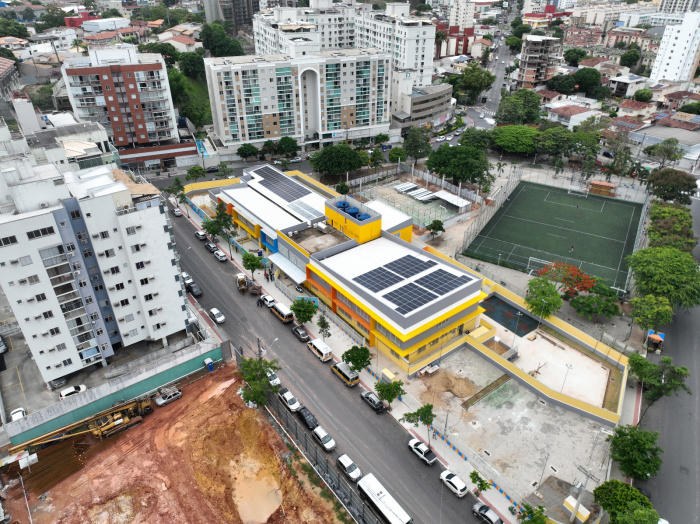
(583, 193)
(535, 264)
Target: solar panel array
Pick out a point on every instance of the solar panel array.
(409, 265)
(410, 297)
(378, 279)
(442, 282)
(280, 184)
(305, 210)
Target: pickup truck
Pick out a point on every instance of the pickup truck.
(423, 451)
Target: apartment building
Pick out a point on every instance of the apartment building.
(317, 99)
(88, 262)
(240, 12)
(605, 13)
(679, 52)
(540, 58)
(462, 14)
(678, 6)
(420, 106)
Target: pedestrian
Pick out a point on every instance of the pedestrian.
(572, 249)
(576, 206)
(272, 278)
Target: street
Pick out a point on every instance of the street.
(376, 443)
(674, 491)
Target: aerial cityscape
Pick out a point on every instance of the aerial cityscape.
(319, 261)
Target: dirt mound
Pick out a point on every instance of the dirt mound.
(443, 383)
(205, 458)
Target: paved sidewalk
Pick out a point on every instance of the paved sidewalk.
(631, 411)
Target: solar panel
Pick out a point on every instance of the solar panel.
(294, 206)
(442, 282)
(409, 297)
(378, 279)
(409, 265)
(280, 184)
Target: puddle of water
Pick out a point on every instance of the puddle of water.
(255, 498)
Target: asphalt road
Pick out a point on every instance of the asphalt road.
(377, 443)
(674, 491)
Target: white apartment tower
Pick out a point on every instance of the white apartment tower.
(679, 51)
(462, 14)
(678, 6)
(87, 262)
(318, 99)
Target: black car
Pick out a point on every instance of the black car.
(211, 246)
(307, 417)
(212, 169)
(301, 333)
(195, 290)
(373, 401)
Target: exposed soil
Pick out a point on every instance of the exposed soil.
(204, 458)
(443, 385)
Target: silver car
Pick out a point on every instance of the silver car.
(485, 514)
(168, 395)
(348, 467)
(323, 438)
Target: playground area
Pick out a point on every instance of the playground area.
(540, 224)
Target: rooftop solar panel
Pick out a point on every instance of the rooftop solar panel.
(378, 279)
(409, 298)
(280, 184)
(442, 282)
(409, 265)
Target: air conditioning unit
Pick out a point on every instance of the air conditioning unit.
(138, 226)
(30, 299)
(143, 244)
(111, 288)
(155, 294)
(58, 365)
(151, 277)
(159, 308)
(126, 334)
(14, 261)
(121, 319)
(116, 304)
(43, 205)
(96, 236)
(105, 272)
(84, 241)
(45, 334)
(163, 323)
(37, 316)
(147, 261)
(77, 273)
(52, 349)
(71, 255)
(101, 254)
(22, 281)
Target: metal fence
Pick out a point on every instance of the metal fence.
(641, 239)
(440, 182)
(375, 176)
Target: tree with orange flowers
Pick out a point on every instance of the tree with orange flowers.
(568, 278)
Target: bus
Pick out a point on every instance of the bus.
(383, 504)
(282, 312)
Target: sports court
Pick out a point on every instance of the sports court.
(541, 224)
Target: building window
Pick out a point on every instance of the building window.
(55, 331)
(68, 362)
(33, 279)
(82, 283)
(25, 261)
(114, 270)
(120, 286)
(40, 297)
(61, 347)
(124, 302)
(99, 331)
(99, 287)
(133, 332)
(148, 297)
(135, 248)
(75, 215)
(7, 241)
(143, 281)
(87, 253)
(48, 314)
(140, 265)
(70, 246)
(109, 253)
(37, 233)
(113, 334)
(109, 318)
(94, 315)
(129, 317)
(156, 327)
(152, 312)
(88, 300)
(104, 234)
(131, 230)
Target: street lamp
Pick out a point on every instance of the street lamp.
(568, 368)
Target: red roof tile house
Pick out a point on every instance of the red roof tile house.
(680, 98)
(633, 108)
(548, 96)
(625, 123)
(478, 47)
(105, 37)
(570, 116)
(183, 43)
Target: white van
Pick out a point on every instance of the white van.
(321, 349)
(282, 312)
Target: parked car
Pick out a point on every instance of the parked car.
(217, 316)
(220, 255)
(195, 290)
(176, 211)
(69, 392)
(454, 483)
(295, 160)
(200, 235)
(301, 334)
(168, 395)
(268, 300)
(323, 438)
(211, 247)
(307, 417)
(449, 137)
(187, 279)
(485, 514)
(3, 346)
(608, 154)
(348, 467)
(273, 378)
(58, 383)
(424, 452)
(17, 414)
(440, 139)
(288, 400)
(373, 401)
(212, 169)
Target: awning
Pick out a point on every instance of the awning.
(288, 267)
(453, 199)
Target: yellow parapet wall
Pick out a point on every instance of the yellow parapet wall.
(198, 186)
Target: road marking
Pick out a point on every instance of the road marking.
(551, 235)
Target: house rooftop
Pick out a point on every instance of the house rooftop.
(634, 104)
(592, 62)
(569, 111)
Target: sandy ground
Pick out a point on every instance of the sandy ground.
(204, 458)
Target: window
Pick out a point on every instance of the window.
(88, 300)
(113, 334)
(109, 318)
(34, 279)
(82, 283)
(40, 297)
(124, 302)
(131, 230)
(75, 215)
(133, 332)
(104, 234)
(87, 253)
(129, 317)
(25, 261)
(70, 246)
(143, 281)
(135, 248)
(99, 287)
(61, 347)
(152, 312)
(114, 270)
(99, 331)
(109, 253)
(7, 241)
(55, 331)
(37, 233)
(48, 314)
(68, 362)
(140, 265)
(156, 327)
(148, 297)
(120, 286)
(94, 315)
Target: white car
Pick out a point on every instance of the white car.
(440, 139)
(187, 279)
(482, 115)
(295, 160)
(220, 255)
(273, 378)
(323, 438)
(17, 414)
(268, 300)
(348, 467)
(217, 316)
(177, 212)
(288, 400)
(452, 481)
(449, 137)
(69, 392)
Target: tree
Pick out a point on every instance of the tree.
(542, 297)
(477, 138)
(211, 227)
(283, 163)
(303, 309)
(574, 56)
(397, 154)
(224, 170)
(43, 98)
(269, 147)
(630, 58)
(693, 109)
(462, 164)
(376, 159)
(324, 328)
(522, 107)
(532, 515)
(417, 143)
(389, 391)
(672, 184)
(6, 53)
(588, 79)
(335, 159)
(485, 56)
(564, 84)
(195, 173)
(288, 146)
(519, 31)
(28, 14)
(659, 380)
(91, 5)
(435, 227)
(53, 17)
(422, 8)
(178, 191)
(254, 371)
(614, 496)
(192, 65)
(215, 39)
(251, 263)
(516, 139)
(423, 415)
(170, 54)
(635, 451)
(557, 142)
(342, 188)
(517, 21)
(671, 226)
(357, 357)
(514, 43)
(666, 272)
(479, 483)
(643, 95)
(111, 13)
(381, 138)
(620, 45)
(362, 157)
(665, 152)
(248, 151)
(224, 221)
(601, 301)
(17, 29)
(440, 37)
(601, 93)
(474, 80)
(569, 278)
(638, 514)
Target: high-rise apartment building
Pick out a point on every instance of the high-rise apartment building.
(87, 262)
(462, 14)
(240, 12)
(678, 6)
(317, 99)
(539, 59)
(679, 51)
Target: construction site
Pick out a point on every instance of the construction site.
(205, 457)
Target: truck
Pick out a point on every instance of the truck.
(424, 452)
(242, 282)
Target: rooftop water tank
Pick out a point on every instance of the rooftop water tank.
(352, 211)
(363, 216)
(342, 205)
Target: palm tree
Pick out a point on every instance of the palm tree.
(79, 44)
(500, 166)
(440, 37)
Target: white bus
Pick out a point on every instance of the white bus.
(383, 504)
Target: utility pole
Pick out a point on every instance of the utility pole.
(578, 498)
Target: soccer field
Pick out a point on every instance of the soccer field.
(540, 224)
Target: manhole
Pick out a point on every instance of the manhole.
(242, 319)
(487, 453)
(553, 469)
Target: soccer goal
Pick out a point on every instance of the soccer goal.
(535, 264)
(582, 193)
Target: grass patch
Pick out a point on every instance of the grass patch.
(195, 105)
(612, 391)
(488, 389)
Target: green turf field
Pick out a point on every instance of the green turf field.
(544, 222)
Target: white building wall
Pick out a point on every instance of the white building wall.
(679, 51)
(105, 24)
(462, 14)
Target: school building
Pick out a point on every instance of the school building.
(358, 259)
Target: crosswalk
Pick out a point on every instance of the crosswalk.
(490, 112)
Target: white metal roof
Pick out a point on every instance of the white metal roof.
(391, 216)
(253, 205)
(452, 199)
